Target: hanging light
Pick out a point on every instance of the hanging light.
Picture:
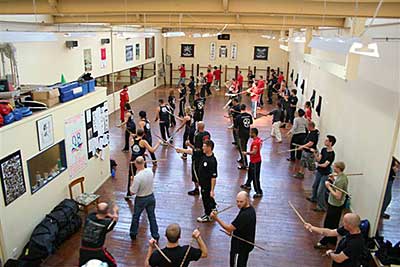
(173, 34)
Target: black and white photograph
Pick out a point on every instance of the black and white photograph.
(12, 177)
(45, 132)
(261, 53)
(223, 51)
(129, 53)
(187, 50)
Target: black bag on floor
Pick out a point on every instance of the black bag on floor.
(45, 235)
(73, 226)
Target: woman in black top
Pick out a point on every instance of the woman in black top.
(182, 99)
(192, 91)
(171, 103)
(144, 124)
(188, 123)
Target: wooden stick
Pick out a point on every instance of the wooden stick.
(174, 134)
(341, 190)
(227, 104)
(266, 138)
(162, 253)
(147, 161)
(187, 251)
(297, 213)
(179, 118)
(242, 239)
(227, 208)
(159, 137)
(284, 151)
(351, 174)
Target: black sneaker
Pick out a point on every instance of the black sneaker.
(128, 197)
(239, 160)
(234, 143)
(320, 246)
(204, 218)
(257, 195)
(245, 186)
(194, 192)
(385, 216)
(242, 167)
(311, 200)
(133, 237)
(289, 159)
(125, 150)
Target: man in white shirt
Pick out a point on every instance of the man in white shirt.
(143, 189)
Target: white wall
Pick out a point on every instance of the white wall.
(19, 218)
(361, 114)
(245, 41)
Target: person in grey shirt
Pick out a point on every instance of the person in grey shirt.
(298, 132)
(143, 189)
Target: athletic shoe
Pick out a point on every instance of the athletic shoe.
(289, 159)
(320, 246)
(230, 126)
(125, 150)
(164, 143)
(204, 218)
(239, 160)
(242, 167)
(257, 195)
(127, 198)
(234, 143)
(385, 216)
(184, 157)
(245, 186)
(133, 237)
(311, 200)
(194, 192)
(299, 175)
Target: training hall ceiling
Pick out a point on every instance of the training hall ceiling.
(236, 14)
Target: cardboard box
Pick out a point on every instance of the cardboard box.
(50, 102)
(45, 94)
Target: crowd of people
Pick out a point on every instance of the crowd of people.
(329, 190)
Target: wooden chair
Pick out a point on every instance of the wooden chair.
(84, 199)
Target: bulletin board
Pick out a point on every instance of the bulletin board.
(97, 128)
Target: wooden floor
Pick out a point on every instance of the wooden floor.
(278, 229)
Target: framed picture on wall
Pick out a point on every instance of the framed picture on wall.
(213, 51)
(45, 132)
(137, 50)
(223, 51)
(87, 59)
(12, 177)
(261, 53)
(129, 53)
(187, 50)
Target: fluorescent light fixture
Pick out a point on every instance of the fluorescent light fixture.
(173, 34)
(370, 50)
(333, 44)
(299, 39)
(204, 35)
(79, 34)
(196, 35)
(20, 37)
(284, 47)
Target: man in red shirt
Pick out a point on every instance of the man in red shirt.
(217, 77)
(209, 78)
(280, 77)
(253, 174)
(133, 72)
(261, 87)
(182, 75)
(255, 93)
(240, 83)
(123, 99)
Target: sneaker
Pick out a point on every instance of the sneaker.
(299, 175)
(239, 160)
(125, 150)
(320, 246)
(164, 143)
(194, 192)
(385, 216)
(204, 218)
(230, 126)
(242, 167)
(311, 200)
(245, 186)
(127, 198)
(234, 143)
(289, 159)
(133, 237)
(257, 195)
(184, 157)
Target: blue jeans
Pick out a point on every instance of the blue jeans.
(319, 190)
(181, 80)
(388, 196)
(148, 203)
(254, 109)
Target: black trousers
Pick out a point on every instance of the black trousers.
(269, 94)
(164, 130)
(208, 202)
(243, 147)
(195, 168)
(253, 175)
(262, 99)
(150, 141)
(299, 140)
(182, 108)
(238, 259)
(198, 115)
(332, 219)
(127, 134)
(172, 118)
(203, 91)
(208, 85)
(291, 112)
(185, 138)
(235, 135)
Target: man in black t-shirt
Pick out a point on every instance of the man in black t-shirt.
(242, 125)
(163, 114)
(97, 225)
(292, 105)
(394, 168)
(243, 226)
(323, 164)
(348, 252)
(307, 156)
(234, 112)
(176, 253)
(199, 104)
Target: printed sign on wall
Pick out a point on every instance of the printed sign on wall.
(233, 55)
(103, 58)
(75, 145)
(97, 128)
(129, 53)
(12, 177)
(213, 50)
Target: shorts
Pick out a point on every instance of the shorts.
(308, 161)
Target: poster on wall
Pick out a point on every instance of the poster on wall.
(75, 145)
(129, 53)
(187, 50)
(213, 50)
(233, 54)
(12, 177)
(44, 128)
(137, 48)
(261, 53)
(223, 51)
(103, 58)
(87, 59)
(97, 128)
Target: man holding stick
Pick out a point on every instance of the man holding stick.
(244, 227)
(180, 256)
(162, 114)
(242, 125)
(348, 252)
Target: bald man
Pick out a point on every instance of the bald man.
(348, 252)
(174, 251)
(97, 225)
(244, 226)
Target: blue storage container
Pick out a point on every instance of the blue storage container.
(67, 87)
(85, 87)
(66, 96)
(91, 84)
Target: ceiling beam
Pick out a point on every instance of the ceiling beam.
(165, 21)
(343, 8)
